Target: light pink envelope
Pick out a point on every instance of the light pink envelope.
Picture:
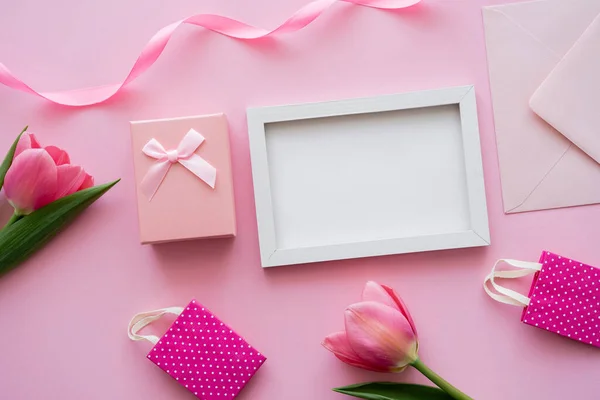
(542, 167)
(568, 98)
(184, 207)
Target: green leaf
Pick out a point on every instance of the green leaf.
(21, 239)
(8, 159)
(393, 391)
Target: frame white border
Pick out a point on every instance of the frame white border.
(463, 96)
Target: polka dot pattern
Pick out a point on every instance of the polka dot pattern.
(565, 299)
(205, 355)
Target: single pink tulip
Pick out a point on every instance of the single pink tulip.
(380, 334)
(39, 176)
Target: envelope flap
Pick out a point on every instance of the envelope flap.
(570, 179)
(568, 98)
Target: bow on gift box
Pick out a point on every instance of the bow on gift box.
(184, 155)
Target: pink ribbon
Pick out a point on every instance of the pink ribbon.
(154, 48)
(184, 155)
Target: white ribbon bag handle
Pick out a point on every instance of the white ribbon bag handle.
(139, 321)
(508, 296)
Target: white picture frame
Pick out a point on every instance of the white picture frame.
(301, 153)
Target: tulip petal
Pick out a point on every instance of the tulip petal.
(70, 178)
(27, 141)
(88, 181)
(375, 292)
(338, 344)
(392, 293)
(30, 182)
(59, 156)
(380, 335)
(386, 295)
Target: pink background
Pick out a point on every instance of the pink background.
(65, 312)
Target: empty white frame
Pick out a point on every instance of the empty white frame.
(366, 177)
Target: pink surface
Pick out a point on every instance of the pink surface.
(206, 356)
(565, 299)
(184, 206)
(65, 311)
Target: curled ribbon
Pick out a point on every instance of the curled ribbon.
(184, 155)
(216, 23)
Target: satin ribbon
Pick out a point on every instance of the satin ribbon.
(508, 296)
(184, 155)
(216, 23)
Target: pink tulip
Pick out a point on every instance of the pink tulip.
(39, 176)
(380, 334)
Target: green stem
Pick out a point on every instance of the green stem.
(13, 218)
(441, 382)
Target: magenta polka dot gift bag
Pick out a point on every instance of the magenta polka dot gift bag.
(200, 352)
(564, 297)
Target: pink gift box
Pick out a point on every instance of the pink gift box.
(184, 206)
(206, 356)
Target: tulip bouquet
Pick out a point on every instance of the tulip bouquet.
(381, 336)
(46, 192)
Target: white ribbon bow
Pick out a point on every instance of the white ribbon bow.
(184, 155)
